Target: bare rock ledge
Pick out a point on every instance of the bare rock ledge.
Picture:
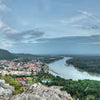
(39, 92)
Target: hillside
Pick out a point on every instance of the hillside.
(6, 55)
(42, 58)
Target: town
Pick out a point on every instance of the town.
(19, 74)
(17, 67)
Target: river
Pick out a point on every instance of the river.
(70, 72)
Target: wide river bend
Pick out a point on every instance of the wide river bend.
(70, 72)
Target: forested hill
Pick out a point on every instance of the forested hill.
(86, 63)
(43, 58)
(6, 55)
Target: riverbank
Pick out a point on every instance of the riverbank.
(70, 72)
(81, 89)
(89, 64)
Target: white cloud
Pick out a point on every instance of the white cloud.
(85, 21)
(6, 29)
(10, 30)
(5, 44)
(1, 24)
(2, 7)
(83, 15)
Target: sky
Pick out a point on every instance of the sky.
(50, 26)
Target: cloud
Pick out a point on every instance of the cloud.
(79, 40)
(46, 5)
(3, 6)
(96, 43)
(1, 24)
(7, 29)
(5, 44)
(88, 26)
(74, 19)
(90, 43)
(10, 39)
(83, 15)
(85, 21)
(13, 36)
(10, 36)
(23, 36)
(1, 1)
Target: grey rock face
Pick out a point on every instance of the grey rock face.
(5, 90)
(40, 92)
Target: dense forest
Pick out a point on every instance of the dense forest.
(86, 63)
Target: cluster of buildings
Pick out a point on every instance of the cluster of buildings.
(22, 68)
(23, 81)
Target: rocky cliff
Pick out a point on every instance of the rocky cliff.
(5, 90)
(40, 92)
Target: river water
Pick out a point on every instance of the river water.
(70, 72)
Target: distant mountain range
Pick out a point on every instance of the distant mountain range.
(6, 55)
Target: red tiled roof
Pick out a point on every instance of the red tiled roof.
(23, 87)
(21, 79)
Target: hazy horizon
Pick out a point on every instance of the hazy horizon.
(50, 26)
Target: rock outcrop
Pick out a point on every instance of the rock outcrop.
(5, 90)
(40, 92)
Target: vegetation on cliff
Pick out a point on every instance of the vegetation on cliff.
(81, 89)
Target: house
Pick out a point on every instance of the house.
(23, 88)
(24, 81)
